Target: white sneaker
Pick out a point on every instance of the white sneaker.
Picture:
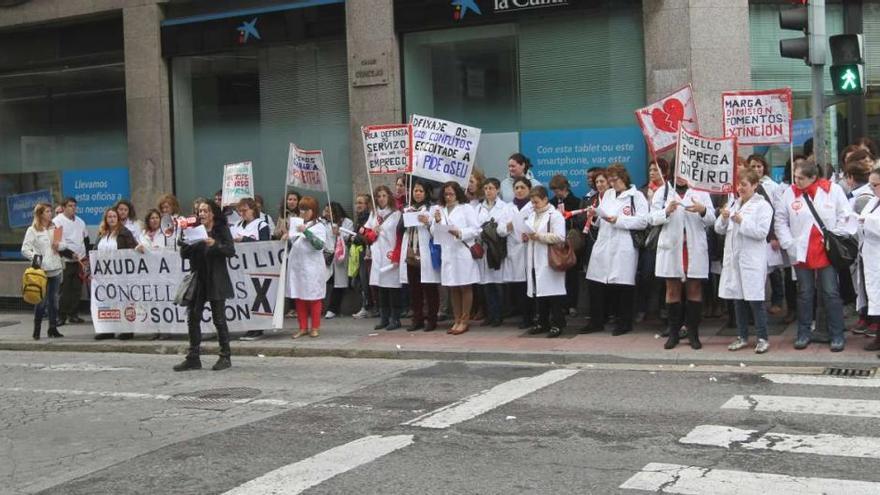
(762, 347)
(329, 315)
(738, 344)
(363, 313)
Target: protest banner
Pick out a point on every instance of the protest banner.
(707, 164)
(443, 151)
(20, 207)
(238, 182)
(388, 149)
(134, 292)
(661, 120)
(757, 117)
(305, 169)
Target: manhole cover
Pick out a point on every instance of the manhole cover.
(850, 372)
(8, 323)
(216, 398)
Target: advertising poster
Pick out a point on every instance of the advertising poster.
(95, 190)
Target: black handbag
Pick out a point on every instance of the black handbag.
(186, 291)
(640, 237)
(843, 250)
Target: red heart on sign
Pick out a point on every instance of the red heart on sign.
(668, 118)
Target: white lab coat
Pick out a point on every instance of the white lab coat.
(306, 270)
(773, 190)
(861, 196)
(670, 244)
(484, 213)
(514, 267)
(870, 246)
(549, 225)
(744, 272)
(458, 268)
(794, 221)
(426, 268)
(383, 274)
(506, 191)
(614, 258)
(339, 269)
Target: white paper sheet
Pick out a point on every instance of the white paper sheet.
(295, 222)
(411, 218)
(195, 234)
(442, 235)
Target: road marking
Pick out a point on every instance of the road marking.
(138, 395)
(675, 478)
(482, 402)
(823, 444)
(806, 405)
(822, 380)
(66, 367)
(300, 476)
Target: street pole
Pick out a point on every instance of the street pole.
(817, 42)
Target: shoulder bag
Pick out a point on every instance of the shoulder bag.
(560, 256)
(186, 290)
(842, 249)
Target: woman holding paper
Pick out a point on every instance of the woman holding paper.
(250, 228)
(39, 241)
(745, 223)
(417, 270)
(289, 208)
(546, 286)
(207, 259)
(456, 229)
(306, 270)
(339, 235)
(492, 209)
(513, 270)
(384, 273)
(612, 267)
(869, 234)
(683, 255)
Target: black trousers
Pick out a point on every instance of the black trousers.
(194, 326)
(334, 301)
(71, 290)
(523, 301)
(551, 312)
(617, 297)
(572, 287)
(389, 304)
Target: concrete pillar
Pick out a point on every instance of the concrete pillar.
(704, 42)
(371, 36)
(147, 106)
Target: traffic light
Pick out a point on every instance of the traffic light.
(809, 18)
(848, 64)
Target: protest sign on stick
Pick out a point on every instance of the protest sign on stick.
(443, 151)
(707, 164)
(757, 117)
(661, 120)
(238, 182)
(388, 149)
(305, 169)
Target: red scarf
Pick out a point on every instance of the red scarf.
(812, 188)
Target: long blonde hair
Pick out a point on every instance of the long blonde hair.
(39, 209)
(104, 228)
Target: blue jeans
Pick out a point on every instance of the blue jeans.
(742, 318)
(51, 300)
(807, 281)
(493, 301)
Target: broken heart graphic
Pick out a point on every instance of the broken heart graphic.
(669, 117)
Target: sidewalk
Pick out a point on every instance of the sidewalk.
(347, 337)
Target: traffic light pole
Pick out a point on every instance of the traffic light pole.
(818, 110)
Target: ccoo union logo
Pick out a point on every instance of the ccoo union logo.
(107, 314)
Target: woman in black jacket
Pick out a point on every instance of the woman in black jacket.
(207, 260)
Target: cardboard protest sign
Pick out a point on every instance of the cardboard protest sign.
(238, 182)
(757, 117)
(388, 149)
(305, 169)
(661, 120)
(707, 164)
(443, 151)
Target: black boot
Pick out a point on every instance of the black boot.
(394, 320)
(694, 317)
(674, 319)
(37, 325)
(383, 320)
(222, 363)
(191, 362)
(53, 333)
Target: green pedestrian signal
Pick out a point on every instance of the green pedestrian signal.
(848, 79)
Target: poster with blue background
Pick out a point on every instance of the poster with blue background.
(20, 207)
(95, 190)
(572, 152)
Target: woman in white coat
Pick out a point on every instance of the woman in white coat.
(869, 225)
(491, 280)
(306, 271)
(683, 255)
(546, 286)
(417, 270)
(339, 267)
(612, 267)
(385, 272)
(513, 270)
(39, 241)
(770, 190)
(799, 234)
(745, 224)
(456, 228)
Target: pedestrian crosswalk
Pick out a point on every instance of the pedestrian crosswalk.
(695, 479)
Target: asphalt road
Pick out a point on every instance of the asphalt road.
(126, 424)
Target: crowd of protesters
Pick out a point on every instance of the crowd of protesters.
(486, 252)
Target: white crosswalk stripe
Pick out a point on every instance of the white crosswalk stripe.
(806, 405)
(831, 381)
(821, 444)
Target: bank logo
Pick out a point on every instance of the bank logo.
(246, 30)
(462, 7)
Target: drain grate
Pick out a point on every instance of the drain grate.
(216, 398)
(850, 372)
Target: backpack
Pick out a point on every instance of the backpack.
(33, 283)
(496, 246)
